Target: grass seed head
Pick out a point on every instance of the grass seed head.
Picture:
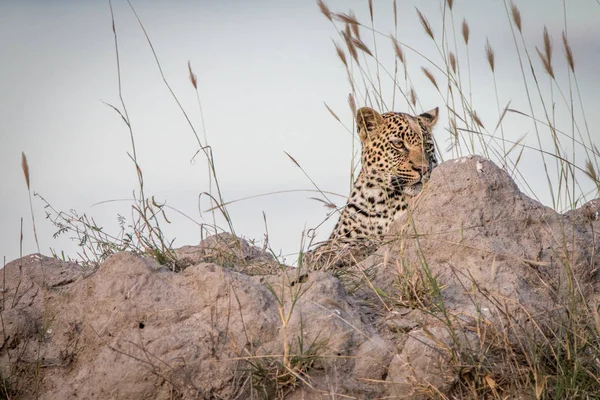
(192, 76)
(25, 167)
(547, 44)
(398, 50)
(489, 54)
(546, 56)
(425, 24)
(324, 10)
(452, 59)
(413, 97)
(352, 104)
(349, 44)
(395, 15)
(341, 54)
(591, 172)
(360, 44)
(516, 15)
(465, 31)
(332, 113)
(347, 18)
(476, 119)
(354, 27)
(568, 52)
(430, 76)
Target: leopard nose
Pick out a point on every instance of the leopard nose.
(423, 168)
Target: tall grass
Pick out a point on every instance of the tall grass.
(559, 358)
(569, 158)
(144, 233)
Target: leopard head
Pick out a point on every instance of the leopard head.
(397, 148)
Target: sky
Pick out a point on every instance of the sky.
(265, 71)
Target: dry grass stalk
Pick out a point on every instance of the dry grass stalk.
(596, 319)
(591, 172)
(192, 76)
(454, 129)
(395, 14)
(430, 76)
(351, 83)
(568, 52)
(332, 113)
(352, 104)
(502, 116)
(516, 15)
(425, 24)
(351, 48)
(450, 3)
(354, 27)
(398, 50)
(371, 9)
(349, 19)
(547, 45)
(341, 54)
(452, 59)
(476, 119)
(326, 204)
(489, 54)
(359, 43)
(465, 31)
(454, 138)
(413, 97)
(25, 168)
(324, 9)
(546, 57)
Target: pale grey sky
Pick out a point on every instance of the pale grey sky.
(264, 70)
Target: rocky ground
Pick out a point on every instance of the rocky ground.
(474, 276)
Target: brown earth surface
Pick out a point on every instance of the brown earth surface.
(472, 253)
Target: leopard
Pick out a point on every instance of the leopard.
(397, 157)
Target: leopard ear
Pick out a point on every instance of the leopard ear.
(430, 117)
(367, 121)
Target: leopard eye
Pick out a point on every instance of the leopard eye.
(397, 143)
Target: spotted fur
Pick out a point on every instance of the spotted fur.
(397, 157)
